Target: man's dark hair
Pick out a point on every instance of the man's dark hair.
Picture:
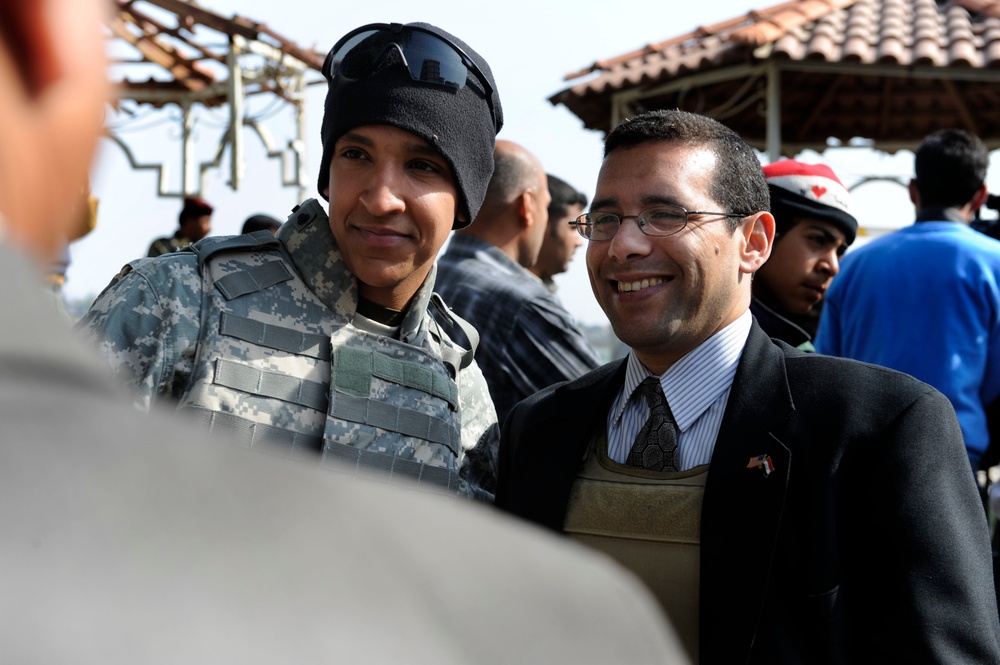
(563, 196)
(738, 184)
(193, 208)
(950, 166)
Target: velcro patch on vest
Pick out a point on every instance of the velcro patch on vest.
(343, 457)
(253, 434)
(275, 337)
(253, 279)
(253, 381)
(396, 419)
(671, 511)
(354, 369)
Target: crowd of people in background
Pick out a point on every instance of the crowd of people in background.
(737, 487)
(527, 339)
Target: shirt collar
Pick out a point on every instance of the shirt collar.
(695, 381)
(464, 246)
(941, 214)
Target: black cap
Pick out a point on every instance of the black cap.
(457, 122)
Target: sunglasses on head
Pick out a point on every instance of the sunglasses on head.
(429, 57)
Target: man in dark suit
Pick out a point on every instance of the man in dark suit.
(784, 507)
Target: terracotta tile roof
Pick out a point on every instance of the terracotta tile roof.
(887, 36)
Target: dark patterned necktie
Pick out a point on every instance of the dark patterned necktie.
(655, 446)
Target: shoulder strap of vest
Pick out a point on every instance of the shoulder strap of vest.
(306, 212)
(458, 329)
(208, 247)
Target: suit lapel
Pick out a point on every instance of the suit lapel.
(550, 445)
(743, 506)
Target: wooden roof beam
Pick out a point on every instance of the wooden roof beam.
(234, 26)
(886, 116)
(162, 54)
(171, 51)
(237, 25)
(141, 17)
(307, 56)
(820, 108)
(960, 107)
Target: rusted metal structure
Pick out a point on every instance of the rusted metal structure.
(170, 54)
(808, 74)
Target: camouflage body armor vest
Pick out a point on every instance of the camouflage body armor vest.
(275, 364)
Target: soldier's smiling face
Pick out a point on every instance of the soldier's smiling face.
(393, 202)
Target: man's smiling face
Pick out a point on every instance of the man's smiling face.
(666, 295)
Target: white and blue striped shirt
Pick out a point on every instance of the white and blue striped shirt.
(697, 388)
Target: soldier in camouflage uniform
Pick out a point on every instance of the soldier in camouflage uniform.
(328, 336)
(193, 223)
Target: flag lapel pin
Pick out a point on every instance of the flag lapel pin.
(762, 462)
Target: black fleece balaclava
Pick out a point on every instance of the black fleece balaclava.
(456, 122)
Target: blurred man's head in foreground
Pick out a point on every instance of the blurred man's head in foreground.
(53, 87)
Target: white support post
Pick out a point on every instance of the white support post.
(301, 174)
(189, 183)
(237, 164)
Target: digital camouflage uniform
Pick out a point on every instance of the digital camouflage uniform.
(253, 335)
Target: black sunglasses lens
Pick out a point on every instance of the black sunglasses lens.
(431, 60)
(354, 57)
(427, 57)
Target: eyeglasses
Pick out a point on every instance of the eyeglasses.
(659, 221)
(429, 57)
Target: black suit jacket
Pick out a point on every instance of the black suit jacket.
(867, 543)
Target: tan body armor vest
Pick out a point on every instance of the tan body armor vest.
(648, 521)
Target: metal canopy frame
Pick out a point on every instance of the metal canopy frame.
(174, 53)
